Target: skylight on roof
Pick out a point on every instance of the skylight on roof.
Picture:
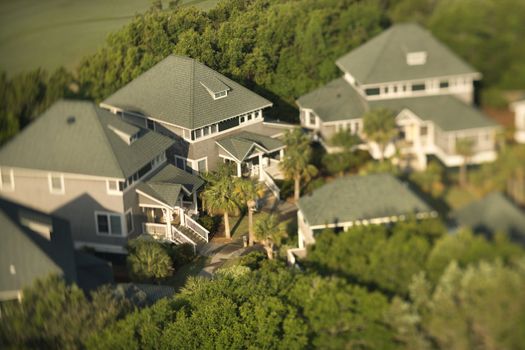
(416, 58)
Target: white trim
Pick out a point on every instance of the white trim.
(11, 187)
(62, 190)
(111, 192)
(26, 172)
(101, 247)
(197, 162)
(108, 215)
(162, 206)
(474, 76)
(129, 211)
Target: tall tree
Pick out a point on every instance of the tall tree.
(218, 195)
(379, 126)
(248, 191)
(297, 157)
(465, 148)
(270, 233)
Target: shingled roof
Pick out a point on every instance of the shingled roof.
(241, 145)
(337, 100)
(353, 198)
(78, 137)
(492, 214)
(447, 112)
(383, 58)
(26, 254)
(178, 90)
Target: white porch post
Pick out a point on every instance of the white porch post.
(181, 215)
(281, 154)
(168, 215)
(260, 167)
(239, 171)
(195, 204)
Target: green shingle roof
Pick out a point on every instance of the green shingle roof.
(383, 58)
(75, 137)
(32, 255)
(337, 100)
(167, 184)
(448, 112)
(241, 145)
(492, 214)
(171, 91)
(354, 198)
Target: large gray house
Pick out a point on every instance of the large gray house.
(132, 165)
(428, 88)
(211, 118)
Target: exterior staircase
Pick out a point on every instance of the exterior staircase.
(198, 241)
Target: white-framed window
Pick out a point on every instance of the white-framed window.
(7, 180)
(220, 94)
(202, 165)
(113, 187)
(129, 220)
(56, 183)
(108, 224)
(150, 124)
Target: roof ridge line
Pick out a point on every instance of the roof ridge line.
(387, 33)
(105, 137)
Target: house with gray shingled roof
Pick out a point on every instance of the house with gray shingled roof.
(109, 178)
(35, 245)
(428, 87)
(357, 200)
(211, 118)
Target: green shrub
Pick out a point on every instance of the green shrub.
(148, 260)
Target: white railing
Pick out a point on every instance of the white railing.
(179, 236)
(268, 181)
(156, 230)
(196, 227)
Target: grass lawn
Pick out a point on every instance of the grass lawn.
(191, 269)
(52, 33)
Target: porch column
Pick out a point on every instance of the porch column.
(281, 154)
(260, 167)
(239, 171)
(181, 216)
(195, 204)
(168, 215)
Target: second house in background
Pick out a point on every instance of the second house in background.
(428, 88)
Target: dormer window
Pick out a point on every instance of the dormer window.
(216, 88)
(416, 58)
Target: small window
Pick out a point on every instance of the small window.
(150, 124)
(189, 165)
(113, 186)
(56, 184)
(312, 119)
(250, 116)
(179, 162)
(129, 220)
(202, 166)
(198, 133)
(206, 131)
(372, 92)
(423, 131)
(418, 87)
(443, 84)
(7, 181)
(220, 94)
(242, 119)
(109, 224)
(214, 128)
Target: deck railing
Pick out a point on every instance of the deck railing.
(156, 230)
(196, 227)
(180, 237)
(268, 181)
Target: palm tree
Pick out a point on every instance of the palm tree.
(270, 233)
(379, 126)
(465, 148)
(248, 191)
(296, 161)
(218, 195)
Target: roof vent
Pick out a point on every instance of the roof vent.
(71, 119)
(416, 58)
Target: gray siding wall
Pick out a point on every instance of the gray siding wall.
(327, 131)
(82, 197)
